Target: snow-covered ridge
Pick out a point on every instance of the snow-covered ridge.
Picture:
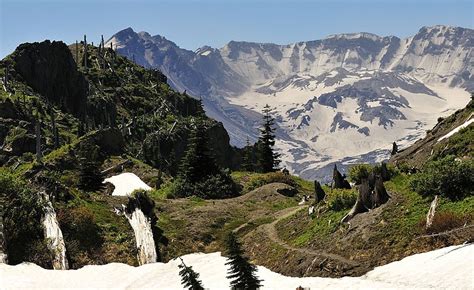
(447, 268)
(343, 99)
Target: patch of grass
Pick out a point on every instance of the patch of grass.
(252, 180)
(320, 228)
(445, 221)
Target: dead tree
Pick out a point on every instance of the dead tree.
(394, 148)
(77, 53)
(38, 141)
(369, 197)
(384, 173)
(54, 129)
(319, 193)
(7, 76)
(85, 51)
(431, 212)
(380, 195)
(362, 203)
(339, 180)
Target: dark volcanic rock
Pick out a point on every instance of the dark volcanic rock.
(8, 110)
(49, 68)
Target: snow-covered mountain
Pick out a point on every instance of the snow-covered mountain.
(342, 99)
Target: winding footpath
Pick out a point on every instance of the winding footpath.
(272, 233)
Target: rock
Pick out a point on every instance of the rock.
(109, 140)
(8, 110)
(49, 68)
(289, 191)
(22, 144)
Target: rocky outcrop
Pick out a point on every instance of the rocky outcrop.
(49, 68)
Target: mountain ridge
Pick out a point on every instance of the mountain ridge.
(237, 80)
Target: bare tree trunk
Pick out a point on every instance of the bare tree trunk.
(431, 212)
(338, 180)
(85, 52)
(319, 193)
(370, 196)
(38, 141)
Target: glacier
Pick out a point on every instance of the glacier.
(343, 99)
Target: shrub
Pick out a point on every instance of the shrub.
(359, 172)
(259, 180)
(447, 177)
(341, 199)
(82, 235)
(22, 211)
(445, 221)
(215, 186)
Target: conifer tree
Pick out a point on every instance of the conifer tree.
(198, 161)
(267, 159)
(241, 271)
(90, 177)
(189, 278)
(247, 158)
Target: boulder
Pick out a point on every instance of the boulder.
(8, 110)
(22, 144)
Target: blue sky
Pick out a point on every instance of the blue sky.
(192, 24)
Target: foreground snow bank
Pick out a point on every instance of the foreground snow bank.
(126, 183)
(450, 267)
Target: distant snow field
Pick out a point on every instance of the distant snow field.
(450, 267)
(126, 183)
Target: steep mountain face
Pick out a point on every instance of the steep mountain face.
(342, 99)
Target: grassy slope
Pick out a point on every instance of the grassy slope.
(381, 236)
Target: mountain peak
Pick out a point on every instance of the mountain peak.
(356, 35)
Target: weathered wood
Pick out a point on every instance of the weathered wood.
(85, 51)
(118, 166)
(431, 212)
(394, 149)
(338, 180)
(319, 193)
(370, 197)
(38, 141)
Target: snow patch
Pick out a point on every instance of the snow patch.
(458, 128)
(126, 183)
(450, 267)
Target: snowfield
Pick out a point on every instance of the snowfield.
(447, 268)
(126, 183)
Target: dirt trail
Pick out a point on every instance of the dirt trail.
(272, 233)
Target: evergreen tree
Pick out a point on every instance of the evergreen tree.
(241, 271)
(189, 278)
(247, 158)
(267, 159)
(90, 177)
(198, 162)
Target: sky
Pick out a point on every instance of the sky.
(195, 23)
